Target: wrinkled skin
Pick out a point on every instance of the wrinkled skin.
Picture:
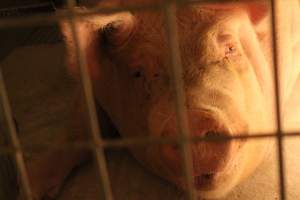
(227, 74)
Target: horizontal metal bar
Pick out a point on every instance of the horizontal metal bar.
(46, 19)
(140, 141)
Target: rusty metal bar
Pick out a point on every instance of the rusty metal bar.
(20, 164)
(176, 77)
(45, 19)
(91, 108)
(139, 141)
(278, 101)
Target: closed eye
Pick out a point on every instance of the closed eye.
(230, 50)
(137, 74)
(228, 45)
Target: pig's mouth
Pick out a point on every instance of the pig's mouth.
(208, 182)
(213, 158)
(211, 180)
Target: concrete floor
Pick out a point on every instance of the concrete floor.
(40, 91)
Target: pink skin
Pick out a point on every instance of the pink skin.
(221, 57)
(226, 59)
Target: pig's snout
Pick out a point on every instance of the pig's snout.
(211, 156)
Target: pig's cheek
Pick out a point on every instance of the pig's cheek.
(256, 55)
(160, 113)
(253, 154)
(91, 57)
(256, 102)
(141, 96)
(152, 158)
(128, 102)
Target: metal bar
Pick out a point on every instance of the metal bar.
(176, 76)
(20, 164)
(139, 141)
(278, 101)
(88, 94)
(45, 19)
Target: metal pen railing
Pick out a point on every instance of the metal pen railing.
(99, 144)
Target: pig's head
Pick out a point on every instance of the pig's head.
(227, 80)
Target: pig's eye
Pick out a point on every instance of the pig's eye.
(137, 74)
(156, 75)
(229, 45)
(230, 50)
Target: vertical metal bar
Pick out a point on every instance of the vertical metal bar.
(278, 101)
(90, 103)
(176, 75)
(20, 164)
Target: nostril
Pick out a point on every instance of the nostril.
(211, 133)
(208, 176)
(214, 135)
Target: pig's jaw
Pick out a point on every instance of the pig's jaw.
(239, 168)
(222, 183)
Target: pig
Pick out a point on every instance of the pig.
(226, 54)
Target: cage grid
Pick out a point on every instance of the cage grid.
(176, 71)
(277, 102)
(98, 145)
(91, 107)
(19, 157)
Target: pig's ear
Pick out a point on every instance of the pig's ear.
(257, 11)
(116, 32)
(93, 32)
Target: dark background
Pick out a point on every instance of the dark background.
(12, 38)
